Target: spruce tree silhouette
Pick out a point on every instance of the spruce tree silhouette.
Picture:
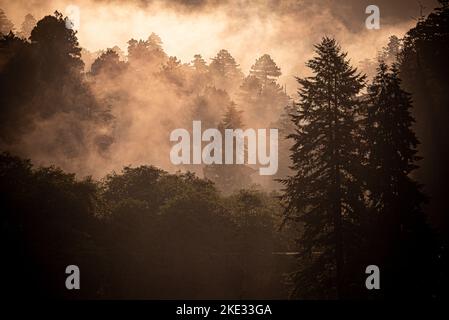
(403, 245)
(324, 193)
(424, 67)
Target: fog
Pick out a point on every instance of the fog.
(247, 29)
(149, 107)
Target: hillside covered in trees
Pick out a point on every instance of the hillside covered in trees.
(85, 181)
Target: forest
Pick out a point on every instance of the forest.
(363, 153)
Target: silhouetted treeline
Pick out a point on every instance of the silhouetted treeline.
(424, 68)
(354, 191)
(141, 233)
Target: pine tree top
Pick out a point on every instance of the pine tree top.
(265, 68)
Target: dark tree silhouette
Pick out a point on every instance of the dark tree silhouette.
(424, 67)
(140, 233)
(42, 80)
(402, 244)
(324, 193)
(56, 46)
(47, 223)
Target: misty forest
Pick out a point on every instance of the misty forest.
(363, 154)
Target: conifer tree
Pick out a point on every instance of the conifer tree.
(324, 193)
(225, 72)
(265, 69)
(199, 64)
(424, 68)
(260, 93)
(391, 51)
(401, 242)
(225, 65)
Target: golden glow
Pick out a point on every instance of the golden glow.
(247, 31)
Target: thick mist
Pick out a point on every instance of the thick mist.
(146, 101)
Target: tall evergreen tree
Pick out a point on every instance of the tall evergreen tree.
(225, 65)
(260, 94)
(324, 194)
(402, 244)
(225, 71)
(424, 68)
(265, 69)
